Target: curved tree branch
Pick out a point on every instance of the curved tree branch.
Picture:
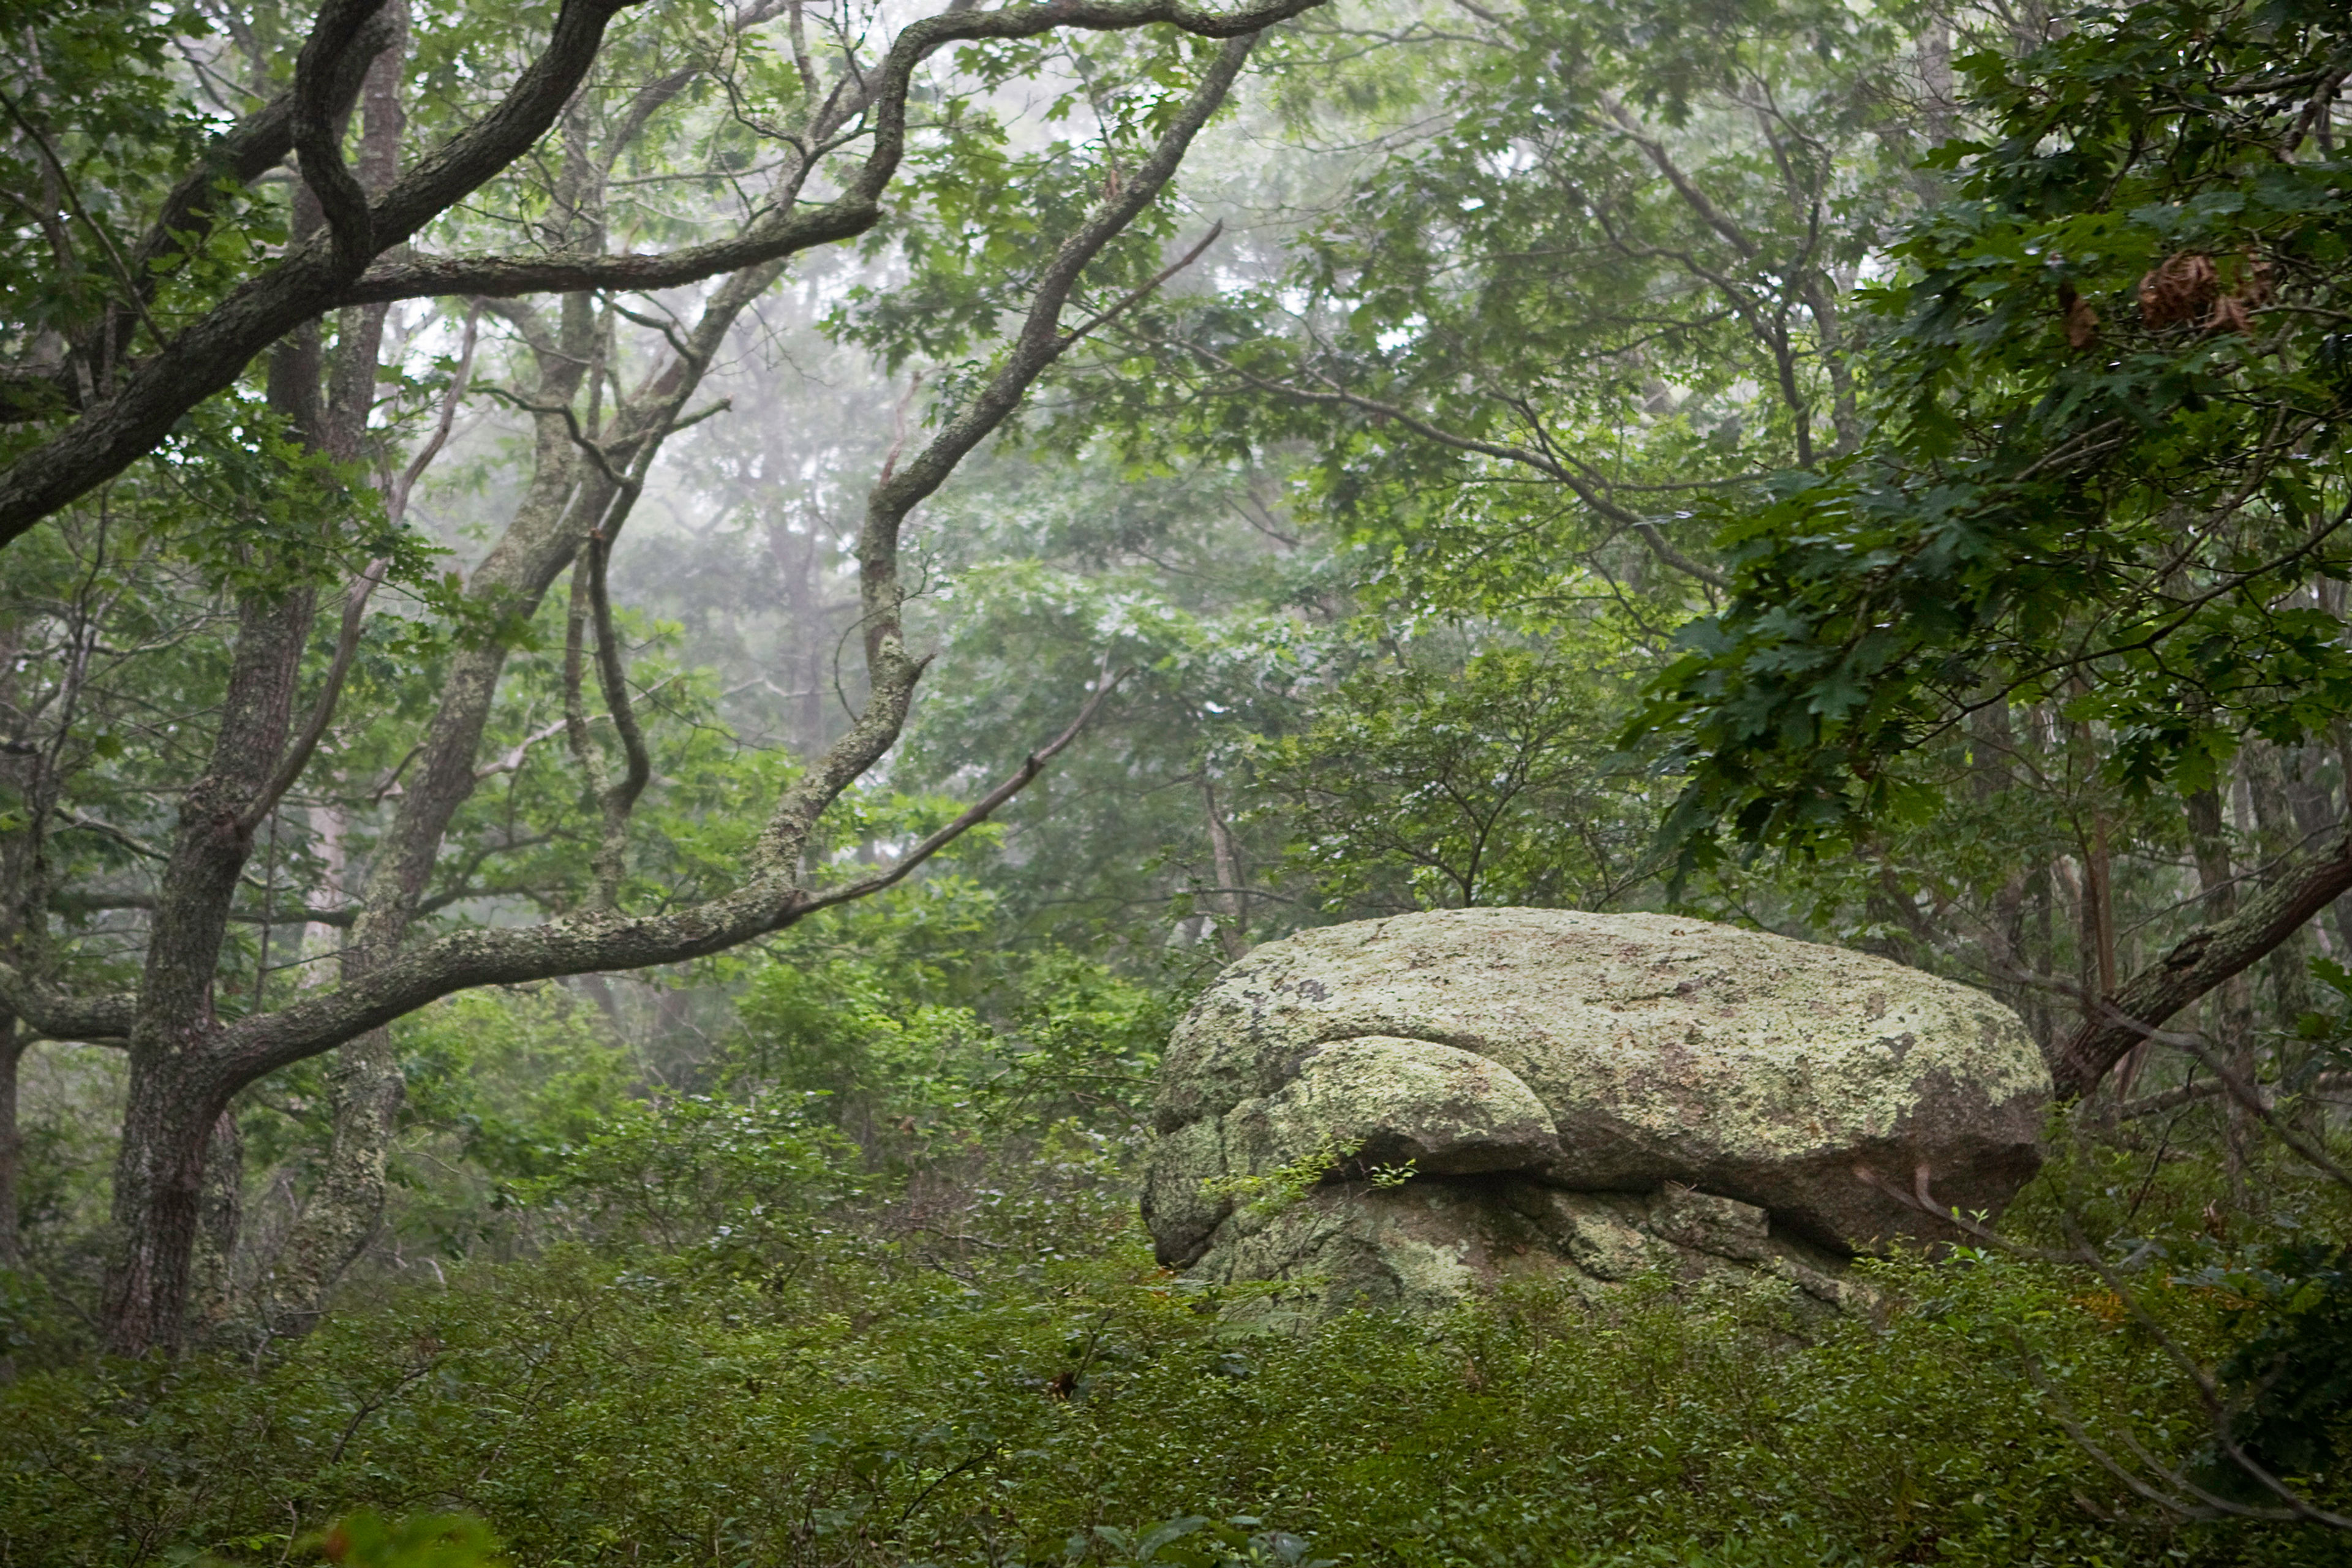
(2197, 963)
(318, 131)
(773, 895)
(212, 352)
(61, 1015)
(1543, 463)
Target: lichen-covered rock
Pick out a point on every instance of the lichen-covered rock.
(1593, 1055)
(1433, 1243)
(1447, 1111)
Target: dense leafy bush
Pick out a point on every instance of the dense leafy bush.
(877, 1406)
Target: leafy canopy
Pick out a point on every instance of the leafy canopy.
(2107, 472)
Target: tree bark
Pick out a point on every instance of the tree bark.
(1228, 866)
(2316, 814)
(2276, 835)
(2200, 961)
(220, 1220)
(179, 1086)
(12, 1044)
(364, 1086)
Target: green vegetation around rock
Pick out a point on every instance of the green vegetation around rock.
(882, 1405)
(1208, 783)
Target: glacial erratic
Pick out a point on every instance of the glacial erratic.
(1709, 1092)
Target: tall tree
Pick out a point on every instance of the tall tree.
(191, 1049)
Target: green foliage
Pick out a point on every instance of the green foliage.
(727, 1179)
(2109, 478)
(1491, 784)
(512, 1075)
(90, 105)
(500, 1086)
(368, 1540)
(1264, 1195)
(1194, 1542)
(1217, 651)
(2290, 1374)
(976, 218)
(923, 1037)
(990, 1406)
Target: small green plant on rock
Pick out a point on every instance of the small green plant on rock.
(1267, 1194)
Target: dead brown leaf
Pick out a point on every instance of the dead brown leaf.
(2082, 321)
(2179, 288)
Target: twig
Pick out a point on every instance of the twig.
(1650, 535)
(395, 505)
(2157, 1104)
(2249, 1096)
(322, 711)
(973, 815)
(1145, 289)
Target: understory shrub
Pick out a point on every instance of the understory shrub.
(867, 1406)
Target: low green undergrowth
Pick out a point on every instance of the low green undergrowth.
(800, 1323)
(864, 1407)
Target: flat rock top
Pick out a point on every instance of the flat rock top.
(1559, 996)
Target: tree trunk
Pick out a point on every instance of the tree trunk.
(2316, 816)
(2041, 897)
(565, 500)
(2268, 791)
(177, 1092)
(1235, 917)
(13, 1044)
(345, 1206)
(364, 1085)
(220, 1218)
(12, 1246)
(158, 1199)
(2216, 889)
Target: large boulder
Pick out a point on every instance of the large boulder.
(1633, 1055)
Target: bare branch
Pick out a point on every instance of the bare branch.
(1585, 490)
(615, 798)
(61, 1015)
(2190, 1094)
(395, 503)
(1146, 288)
(214, 349)
(1697, 199)
(1040, 343)
(331, 692)
(2252, 1096)
(980, 811)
